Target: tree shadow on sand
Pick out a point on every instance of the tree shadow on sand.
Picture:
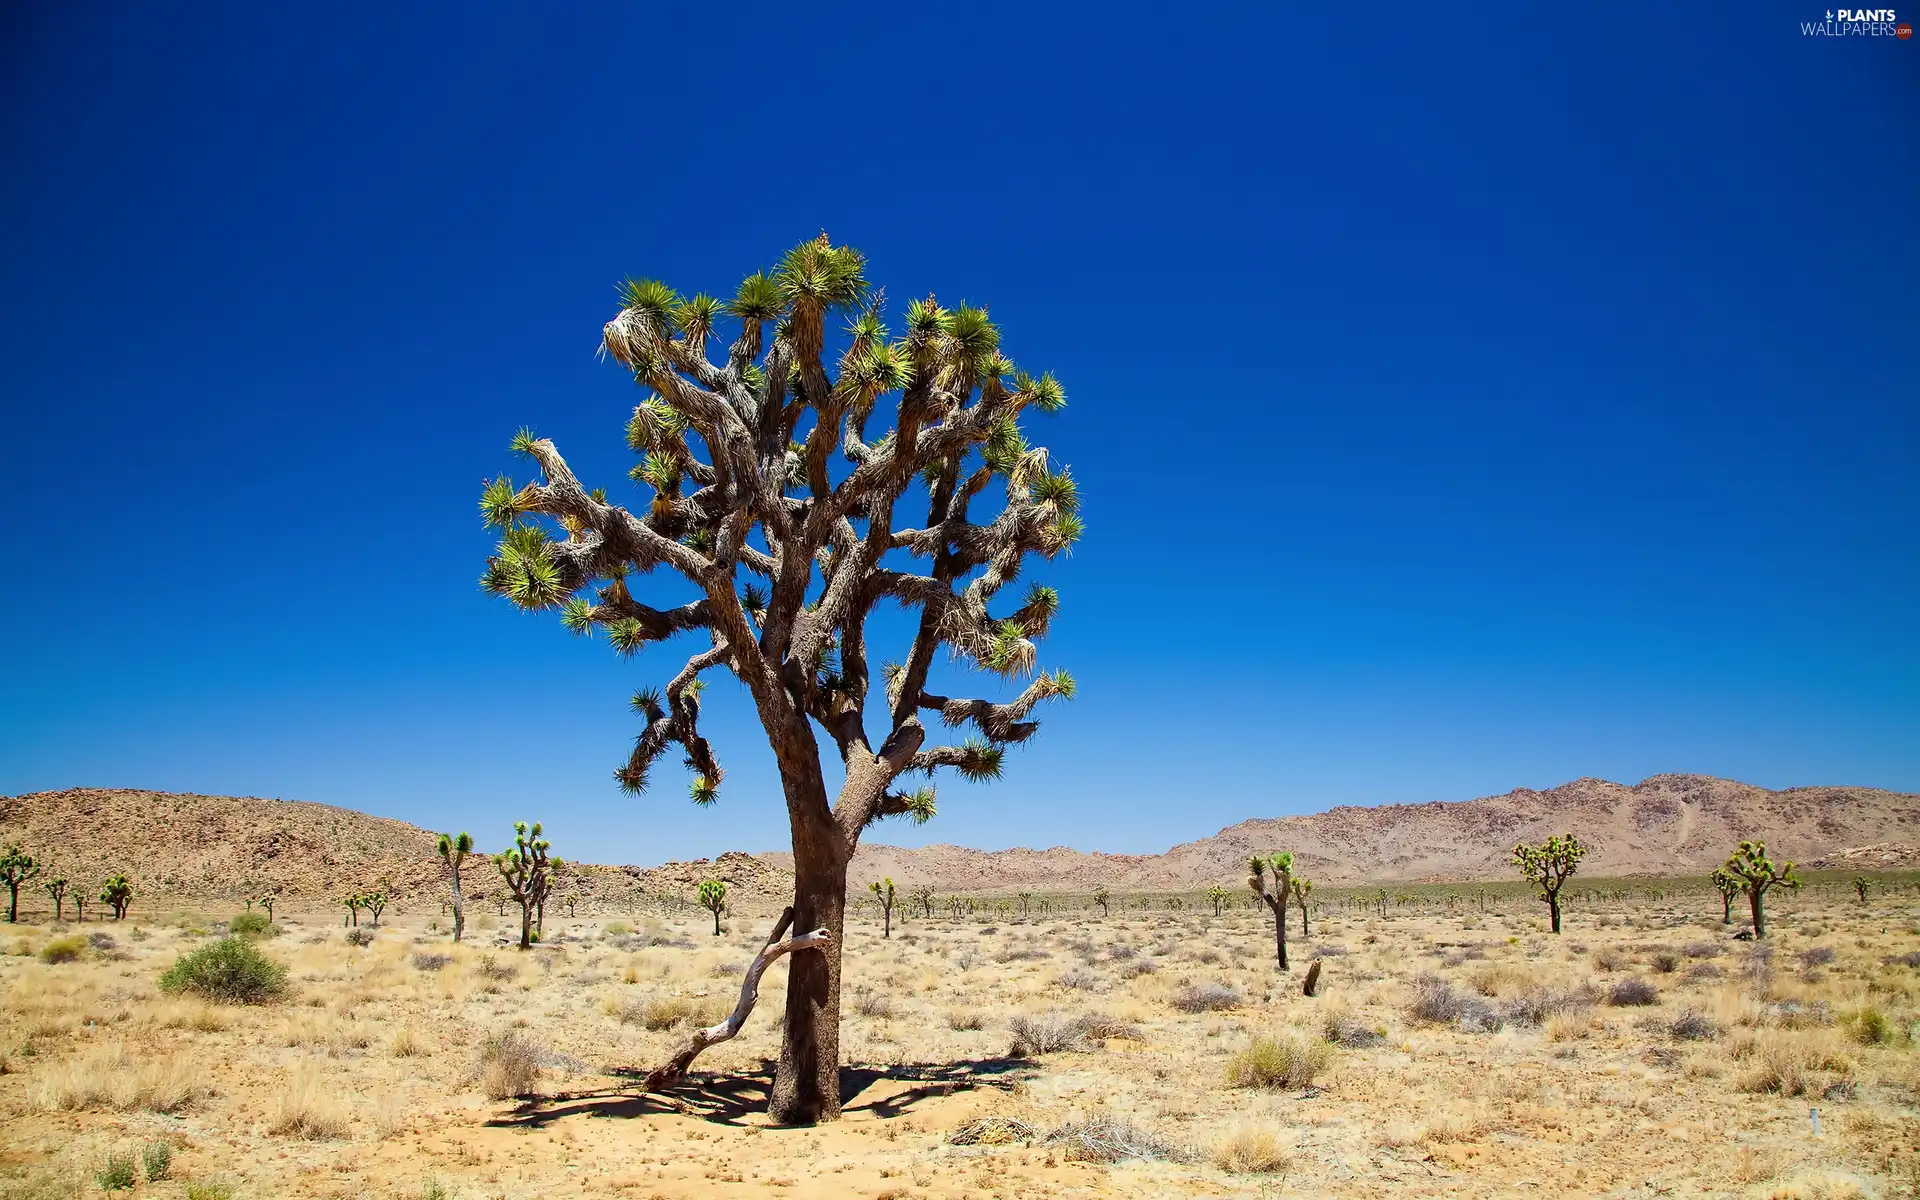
(728, 1098)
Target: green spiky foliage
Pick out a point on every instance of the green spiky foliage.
(117, 893)
(57, 891)
(267, 901)
(453, 849)
(1102, 896)
(882, 890)
(1728, 885)
(16, 868)
(804, 453)
(524, 867)
(1758, 875)
(1302, 890)
(374, 902)
(1271, 879)
(1548, 866)
(923, 897)
(1860, 885)
(1219, 896)
(352, 903)
(712, 894)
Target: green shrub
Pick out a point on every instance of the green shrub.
(359, 937)
(157, 1158)
(116, 1173)
(230, 971)
(252, 924)
(212, 1189)
(64, 949)
(1289, 1062)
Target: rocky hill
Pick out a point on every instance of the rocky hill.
(179, 848)
(1664, 825)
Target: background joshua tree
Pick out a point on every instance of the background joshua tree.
(1218, 895)
(754, 436)
(713, 898)
(454, 848)
(1548, 866)
(1757, 875)
(883, 893)
(1281, 866)
(523, 868)
(375, 903)
(57, 888)
(1100, 897)
(117, 894)
(1729, 886)
(1302, 889)
(16, 868)
(1860, 884)
(923, 896)
(352, 902)
(267, 901)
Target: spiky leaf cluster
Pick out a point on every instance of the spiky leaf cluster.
(1550, 864)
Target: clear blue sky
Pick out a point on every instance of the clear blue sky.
(1462, 398)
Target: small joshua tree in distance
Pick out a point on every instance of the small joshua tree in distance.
(267, 902)
(1729, 886)
(375, 903)
(1757, 875)
(883, 893)
(117, 894)
(16, 868)
(1860, 884)
(1302, 888)
(1281, 867)
(1548, 866)
(1100, 897)
(57, 888)
(454, 848)
(1218, 895)
(713, 898)
(352, 902)
(523, 868)
(923, 896)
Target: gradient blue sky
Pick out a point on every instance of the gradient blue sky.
(1462, 398)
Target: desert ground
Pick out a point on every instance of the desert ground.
(1454, 1048)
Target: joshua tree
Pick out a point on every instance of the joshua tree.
(1026, 903)
(1302, 888)
(454, 848)
(1100, 897)
(923, 896)
(267, 902)
(117, 894)
(883, 895)
(713, 898)
(1548, 866)
(57, 888)
(523, 867)
(754, 436)
(571, 900)
(1757, 875)
(1860, 884)
(1281, 865)
(1729, 886)
(16, 868)
(1218, 895)
(375, 903)
(80, 905)
(353, 903)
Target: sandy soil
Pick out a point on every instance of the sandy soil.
(1508, 1072)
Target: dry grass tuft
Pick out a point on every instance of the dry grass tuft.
(1250, 1149)
(1288, 1062)
(112, 1078)
(510, 1064)
(1207, 997)
(307, 1109)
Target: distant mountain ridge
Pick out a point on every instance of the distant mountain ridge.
(1663, 825)
(190, 847)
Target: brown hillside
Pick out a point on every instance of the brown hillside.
(1668, 824)
(180, 847)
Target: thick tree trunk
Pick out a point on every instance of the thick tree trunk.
(1759, 914)
(1726, 908)
(526, 925)
(13, 904)
(1303, 919)
(1553, 909)
(806, 1088)
(459, 908)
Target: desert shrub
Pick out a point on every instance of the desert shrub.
(1703, 950)
(1206, 997)
(490, 967)
(1104, 1138)
(1013, 954)
(1608, 958)
(965, 1019)
(1910, 959)
(157, 1159)
(1785, 1067)
(1665, 962)
(63, 949)
(1792, 1014)
(1289, 1062)
(1816, 956)
(1137, 967)
(431, 962)
(616, 929)
(1435, 1000)
(252, 924)
(210, 1189)
(1342, 1028)
(1537, 1005)
(1701, 971)
(510, 1064)
(1868, 1026)
(1692, 1026)
(102, 941)
(1054, 1031)
(871, 1003)
(359, 937)
(992, 1131)
(1248, 1149)
(115, 1173)
(230, 971)
(1633, 992)
(1079, 979)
